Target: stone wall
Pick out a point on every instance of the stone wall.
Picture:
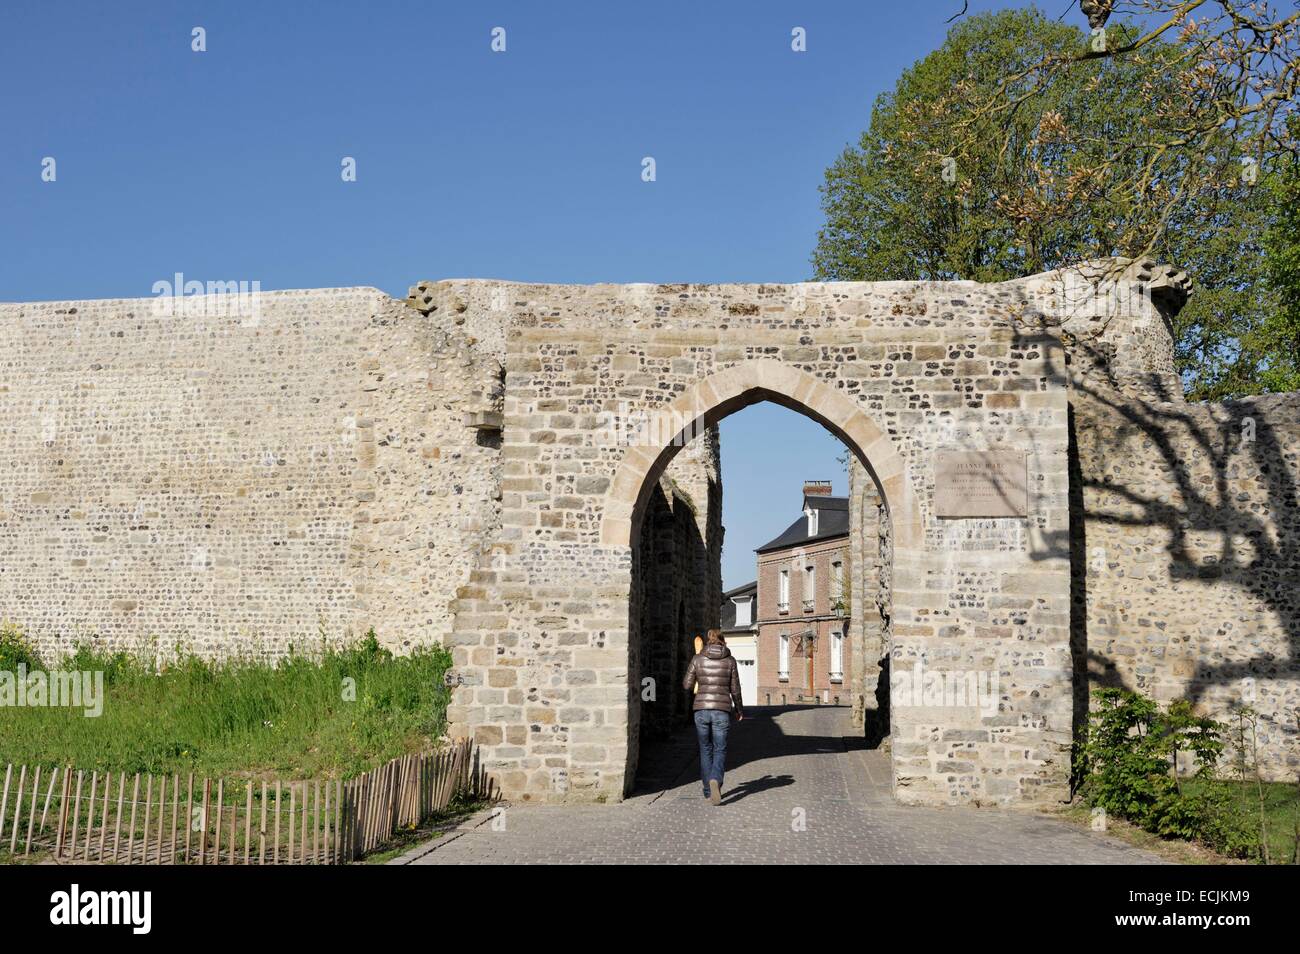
(868, 605)
(463, 467)
(1187, 570)
(428, 478)
(1185, 524)
(182, 479)
(231, 482)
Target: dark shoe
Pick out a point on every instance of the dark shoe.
(715, 791)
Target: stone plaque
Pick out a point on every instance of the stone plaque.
(991, 483)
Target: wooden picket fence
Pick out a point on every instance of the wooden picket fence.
(105, 817)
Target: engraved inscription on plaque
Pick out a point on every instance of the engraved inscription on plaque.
(992, 483)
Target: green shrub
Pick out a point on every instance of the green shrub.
(1128, 760)
(15, 650)
(1226, 827)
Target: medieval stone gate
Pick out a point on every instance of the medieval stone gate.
(604, 386)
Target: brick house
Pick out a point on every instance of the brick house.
(803, 611)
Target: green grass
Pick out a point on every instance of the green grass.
(1281, 814)
(239, 719)
(1173, 850)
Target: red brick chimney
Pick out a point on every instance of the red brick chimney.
(816, 488)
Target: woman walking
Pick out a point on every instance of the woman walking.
(715, 677)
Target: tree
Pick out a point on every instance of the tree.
(1235, 74)
(934, 190)
(1239, 333)
(1218, 348)
(1276, 343)
(940, 188)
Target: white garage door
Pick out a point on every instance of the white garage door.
(747, 661)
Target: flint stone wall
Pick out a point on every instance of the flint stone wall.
(1187, 567)
(230, 483)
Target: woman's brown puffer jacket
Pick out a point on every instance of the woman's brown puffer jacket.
(716, 671)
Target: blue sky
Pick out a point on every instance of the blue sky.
(526, 164)
(762, 491)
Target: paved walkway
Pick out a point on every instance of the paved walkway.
(786, 766)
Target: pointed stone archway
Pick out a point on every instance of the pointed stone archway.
(719, 395)
(694, 413)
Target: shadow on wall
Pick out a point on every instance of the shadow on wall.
(675, 574)
(1185, 549)
(876, 725)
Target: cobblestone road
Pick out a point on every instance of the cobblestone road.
(785, 765)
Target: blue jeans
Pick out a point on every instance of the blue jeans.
(711, 727)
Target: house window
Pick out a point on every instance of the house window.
(837, 597)
(783, 662)
(783, 592)
(809, 588)
(812, 521)
(837, 657)
(744, 616)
